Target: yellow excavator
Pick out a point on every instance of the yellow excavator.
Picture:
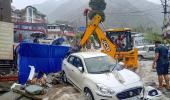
(128, 55)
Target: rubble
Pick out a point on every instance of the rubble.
(34, 90)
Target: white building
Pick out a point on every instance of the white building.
(29, 14)
(34, 16)
(60, 30)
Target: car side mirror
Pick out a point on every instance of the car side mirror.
(80, 69)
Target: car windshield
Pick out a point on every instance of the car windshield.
(101, 64)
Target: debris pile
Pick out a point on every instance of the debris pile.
(38, 86)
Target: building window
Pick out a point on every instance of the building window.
(30, 12)
(49, 27)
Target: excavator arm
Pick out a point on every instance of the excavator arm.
(90, 29)
(109, 47)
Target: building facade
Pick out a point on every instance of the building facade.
(29, 14)
(5, 10)
(16, 16)
(24, 30)
(28, 21)
(60, 30)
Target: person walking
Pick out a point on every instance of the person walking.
(161, 63)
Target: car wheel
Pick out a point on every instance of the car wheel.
(64, 78)
(140, 57)
(88, 94)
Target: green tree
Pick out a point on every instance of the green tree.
(150, 33)
(97, 7)
(79, 35)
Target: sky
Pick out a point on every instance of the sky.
(23, 3)
(155, 1)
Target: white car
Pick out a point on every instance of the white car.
(100, 77)
(147, 51)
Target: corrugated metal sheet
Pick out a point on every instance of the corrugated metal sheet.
(6, 40)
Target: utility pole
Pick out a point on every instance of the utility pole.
(166, 20)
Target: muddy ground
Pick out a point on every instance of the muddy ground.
(61, 92)
(149, 77)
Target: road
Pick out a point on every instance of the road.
(149, 77)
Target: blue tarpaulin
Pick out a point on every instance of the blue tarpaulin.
(58, 41)
(45, 58)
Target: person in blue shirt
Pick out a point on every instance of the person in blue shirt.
(162, 64)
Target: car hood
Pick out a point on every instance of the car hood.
(115, 78)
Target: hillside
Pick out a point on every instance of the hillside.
(119, 13)
(49, 6)
(153, 11)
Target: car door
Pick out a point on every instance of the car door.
(151, 52)
(143, 52)
(69, 67)
(77, 74)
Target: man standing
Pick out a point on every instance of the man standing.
(162, 64)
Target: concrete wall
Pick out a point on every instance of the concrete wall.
(6, 41)
(5, 10)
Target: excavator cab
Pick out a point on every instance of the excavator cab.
(123, 36)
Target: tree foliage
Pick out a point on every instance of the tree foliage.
(150, 33)
(97, 7)
(94, 12)
(79, 35)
